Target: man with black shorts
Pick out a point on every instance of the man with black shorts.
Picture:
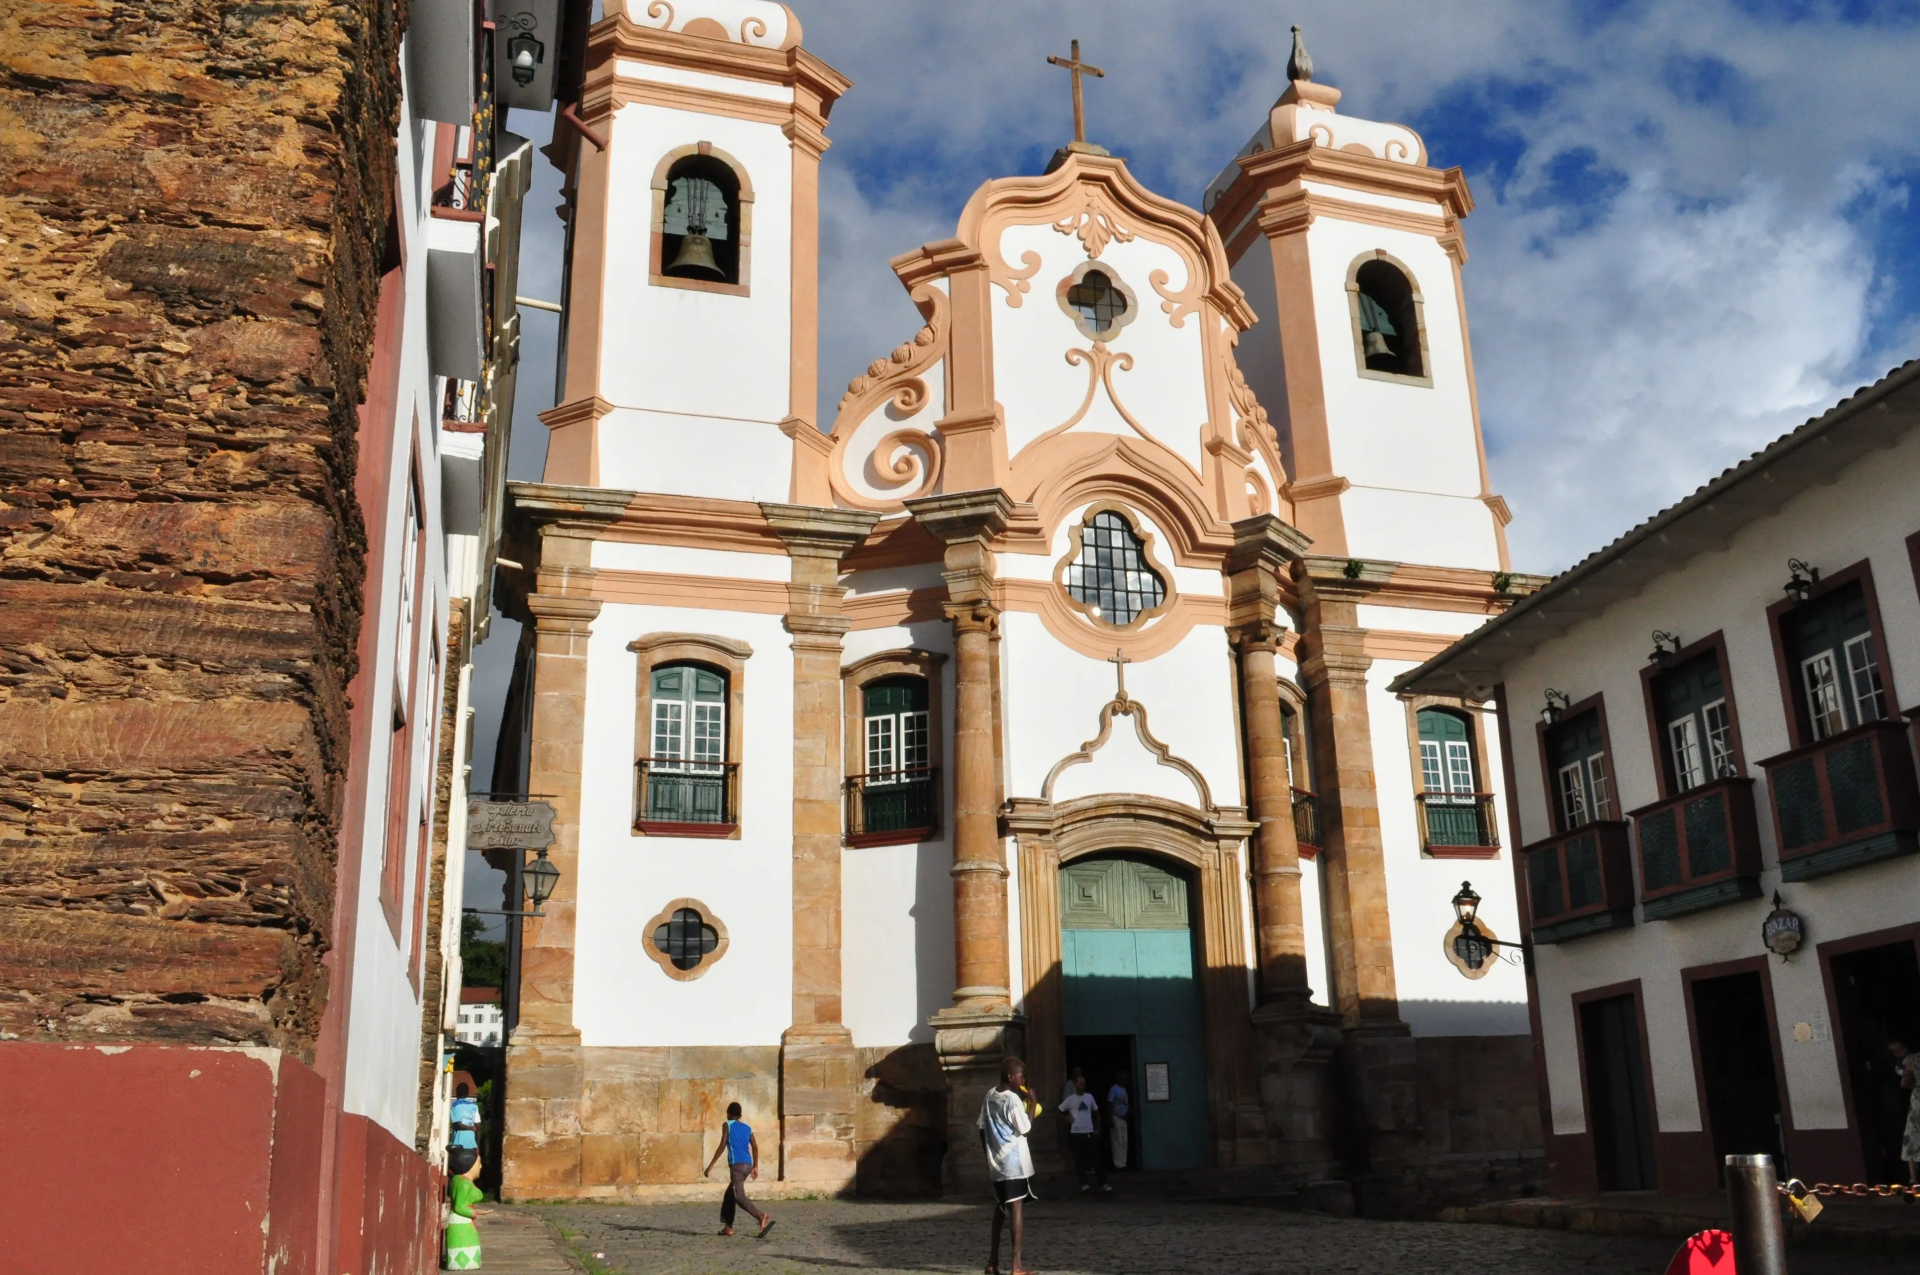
(1005, 1117)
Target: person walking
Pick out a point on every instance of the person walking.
(1006, 1114)
(1117, 1107)
(1083, 1110)
(743, 1162)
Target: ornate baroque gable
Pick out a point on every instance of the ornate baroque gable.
(1078, 343)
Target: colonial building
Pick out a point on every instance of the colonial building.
(1712, 779)
(252, 443)
(1037, 701)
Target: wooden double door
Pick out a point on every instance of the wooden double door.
(1131, 1002)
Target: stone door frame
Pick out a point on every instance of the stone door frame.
(1207, 846)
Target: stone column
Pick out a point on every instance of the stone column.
(980, 1028)
(1378, 1051)
(1294, 1040)
(542, 1148)
(819, 1080)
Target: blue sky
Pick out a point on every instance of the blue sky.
(1696, 223)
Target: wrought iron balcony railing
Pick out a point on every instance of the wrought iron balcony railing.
(1698, 849)
(1457, 825)
(675, 798)
(1844, 801)
(1306, 821)
(1580, 882)
(893, 807)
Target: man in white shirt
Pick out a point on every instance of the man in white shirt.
(1084, 1110)
(1005, 1117)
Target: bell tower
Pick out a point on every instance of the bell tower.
(1348, 246)
(691, 332)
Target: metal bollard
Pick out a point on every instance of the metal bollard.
(1759, 1238)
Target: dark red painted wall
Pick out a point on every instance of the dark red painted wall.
(185, 1153)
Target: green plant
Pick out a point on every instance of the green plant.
(1354, 568)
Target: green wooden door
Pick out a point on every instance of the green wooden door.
(1126, 961)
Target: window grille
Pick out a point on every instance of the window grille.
(686, 938)
(1110, 577)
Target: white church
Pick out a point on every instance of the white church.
(1035, 702)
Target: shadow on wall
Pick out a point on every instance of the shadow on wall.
(900, 1125)
(1465, 1018)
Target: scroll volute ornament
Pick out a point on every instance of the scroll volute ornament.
(907, 460)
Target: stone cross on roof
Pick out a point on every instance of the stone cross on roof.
(1075, 67)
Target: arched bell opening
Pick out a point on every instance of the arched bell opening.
(1389, 323)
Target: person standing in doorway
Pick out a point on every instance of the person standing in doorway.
(743, 1162)
(1006, 1114)
(1909, 1064)
(1083, 1111)
(1117, 1107)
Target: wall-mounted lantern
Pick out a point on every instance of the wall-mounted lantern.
(1557, 703)
(1468, 944)
(1665, 646)
(1801, 579)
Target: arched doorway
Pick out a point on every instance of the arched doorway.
(1130, 1001)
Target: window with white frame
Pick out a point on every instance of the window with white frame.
(897, 730)
(1691, 701)
(1576, 748)
(689, 718)
(1835, 658)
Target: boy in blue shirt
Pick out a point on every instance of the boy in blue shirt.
(743, 1162)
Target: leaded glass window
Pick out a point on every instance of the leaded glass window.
(1110, 576)
(689, 718)
(1097, 301)
(686, 938)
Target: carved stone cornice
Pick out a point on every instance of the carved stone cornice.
(563, 613)
(967, 522)
(817, 530)
(1264, 549)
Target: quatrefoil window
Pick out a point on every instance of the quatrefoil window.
(1109, 575)
(1097, 301)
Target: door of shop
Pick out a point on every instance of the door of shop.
(1127, 971)
(1617, 1108)
(1878, 994)
(1736, 1068)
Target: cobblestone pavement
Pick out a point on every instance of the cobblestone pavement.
(1115, 1237)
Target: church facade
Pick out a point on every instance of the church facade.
(1035, 703)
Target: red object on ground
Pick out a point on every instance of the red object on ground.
(1708, 1253)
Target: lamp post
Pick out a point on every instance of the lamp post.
(1472, 947)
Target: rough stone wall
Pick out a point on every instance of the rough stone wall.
(194, 199)
(900, 1122)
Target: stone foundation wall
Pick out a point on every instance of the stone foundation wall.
(1477, 1135)
(193, 203)
(900, 1124)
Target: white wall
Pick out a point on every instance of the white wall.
(1867, 513)
(621, 996)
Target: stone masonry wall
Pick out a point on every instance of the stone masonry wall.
(194, 199)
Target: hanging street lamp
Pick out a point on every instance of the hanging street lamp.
(1469, 945)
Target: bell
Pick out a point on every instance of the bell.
(1375, 346)
(696, 258)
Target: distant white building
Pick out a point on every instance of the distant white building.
(480, 1020)
(1711, 778)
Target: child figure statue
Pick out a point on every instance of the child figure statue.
(463, 1241)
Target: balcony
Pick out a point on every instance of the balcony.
(893, 807)
(1844, 801)
(1698, 850)
(686, 798)
(1306, 822)
(1457, 825)
(1580, 882)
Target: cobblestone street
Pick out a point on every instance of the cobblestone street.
(1109, 1237)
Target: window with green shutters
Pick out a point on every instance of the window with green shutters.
(1833, 660)
(1577, 757)
(899, 791)
(1695, 724)
(686, 774)
(1453, 808)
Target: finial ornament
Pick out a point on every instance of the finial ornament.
(1300, 65)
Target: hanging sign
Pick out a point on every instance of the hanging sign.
(509, 825)
(1159, 1088)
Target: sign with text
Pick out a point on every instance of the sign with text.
(1159, 1088)
(509, 825)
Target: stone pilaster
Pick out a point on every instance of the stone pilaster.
(980, 1028)
(1377, 1053)
(1293, 1039)
(819, 1075)
(541, 1154)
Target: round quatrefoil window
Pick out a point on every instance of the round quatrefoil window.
(685, 939)
(1097, 301)
(1109, 570)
